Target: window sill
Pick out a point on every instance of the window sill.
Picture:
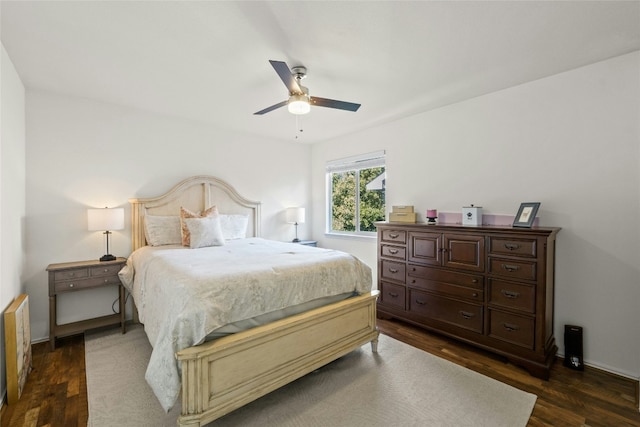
(372, 236)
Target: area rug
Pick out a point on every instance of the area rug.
(398, 386)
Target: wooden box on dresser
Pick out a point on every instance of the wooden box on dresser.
(489, 286)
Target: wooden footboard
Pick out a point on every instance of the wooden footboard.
(223, 375)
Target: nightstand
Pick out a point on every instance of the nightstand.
(82, 275)
(308, 242)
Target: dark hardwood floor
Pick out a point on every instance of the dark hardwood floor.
(56, 391)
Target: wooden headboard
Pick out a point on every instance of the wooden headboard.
(196, 193)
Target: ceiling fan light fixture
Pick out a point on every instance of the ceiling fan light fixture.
(299, 104)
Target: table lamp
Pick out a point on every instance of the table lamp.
(295, 216)
(106, 220)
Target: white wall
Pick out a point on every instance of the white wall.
(571, 142)
(12, 193)
(82, 153)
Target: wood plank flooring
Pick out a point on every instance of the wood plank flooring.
(56, 392)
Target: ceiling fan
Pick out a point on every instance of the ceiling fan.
(299, 101)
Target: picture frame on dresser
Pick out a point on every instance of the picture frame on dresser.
(526, 214)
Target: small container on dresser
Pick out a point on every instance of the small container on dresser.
(490, 286)
(81, 275)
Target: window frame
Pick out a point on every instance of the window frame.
(355, 164)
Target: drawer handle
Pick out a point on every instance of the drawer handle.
(106, 280)
(467, 315)
(475, 295)
(393, 251)
(510, 327)
(413, 280)
(394, 236)
(106, 270)
(510, 268)
(393, 270)
(420, 302)
(512, 246)
(392, 294)
(72, 274)
(474, 281)
(71, 285)
(510, 294)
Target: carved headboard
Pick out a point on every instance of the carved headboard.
(196, 193)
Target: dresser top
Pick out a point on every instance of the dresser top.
(423, 226)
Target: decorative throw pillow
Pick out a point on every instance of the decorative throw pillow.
(186, 213)
(204, 232)
(234, 226)
(162, 230)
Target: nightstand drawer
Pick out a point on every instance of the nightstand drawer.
(106, 270)
(74, 285)
(78, 273)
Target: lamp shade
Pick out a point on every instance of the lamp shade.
(295, 215)
(105, 219)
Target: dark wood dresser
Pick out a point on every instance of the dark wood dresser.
(489, 286)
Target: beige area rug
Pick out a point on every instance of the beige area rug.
(400, 386)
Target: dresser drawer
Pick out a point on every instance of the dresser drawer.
(512, 328)
(458, 313)
(392, 270)
(446, 288)
(514, 247)
(392, 295)
(398, 252)
(78, 273)
(525, 270)
(518, 296)
(394, 236)
(74, 285)
(471, 280)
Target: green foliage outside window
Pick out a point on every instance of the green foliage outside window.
(345, 199)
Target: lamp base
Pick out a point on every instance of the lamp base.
(296, 240)
(107, 257)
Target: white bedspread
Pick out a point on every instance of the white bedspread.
(184, 294)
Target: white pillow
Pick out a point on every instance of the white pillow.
(162, 230)
(186, 213)
(204, 232)
(234, 226)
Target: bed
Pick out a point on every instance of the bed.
(217, 376)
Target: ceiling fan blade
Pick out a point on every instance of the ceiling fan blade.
(285, 75)
(332, 103)
(273, 107)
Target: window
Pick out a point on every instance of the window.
(356, 194)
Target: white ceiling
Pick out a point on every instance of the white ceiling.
(208, 61)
